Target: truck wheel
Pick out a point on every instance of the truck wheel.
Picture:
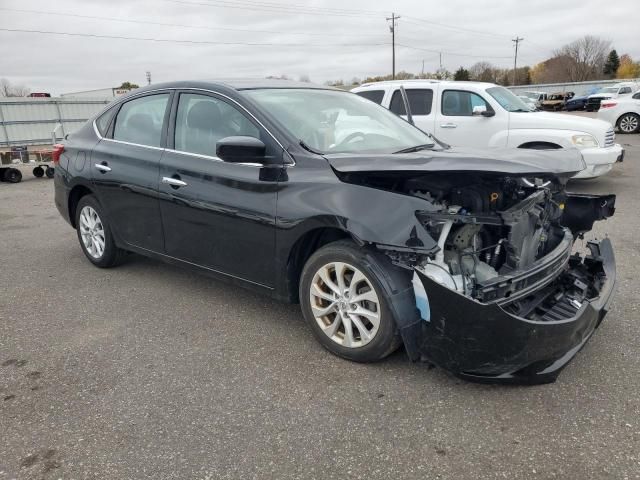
(629, 123)
(2, 172)
(13, 175)
(50, 172)
(38, 172)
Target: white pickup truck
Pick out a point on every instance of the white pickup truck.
(475, 114)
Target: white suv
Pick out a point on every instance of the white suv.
(474, 114)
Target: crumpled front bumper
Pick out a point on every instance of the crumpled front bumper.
(484, 342)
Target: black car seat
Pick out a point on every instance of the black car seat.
(205, 128)
(141, 129)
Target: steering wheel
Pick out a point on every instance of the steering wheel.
(349, 138)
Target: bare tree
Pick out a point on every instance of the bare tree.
(9, 90)
(304, 78)
(583, 59)
(484, 72)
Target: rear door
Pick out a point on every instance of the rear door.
(420, 103)
(125, 166)
(216, 214)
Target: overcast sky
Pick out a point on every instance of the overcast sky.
(323, 39)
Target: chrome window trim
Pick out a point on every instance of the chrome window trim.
(290, 162)
(134, 144)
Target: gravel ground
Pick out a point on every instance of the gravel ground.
(149, 371)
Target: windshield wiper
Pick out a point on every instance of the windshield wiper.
(308, 148)
(417, 148)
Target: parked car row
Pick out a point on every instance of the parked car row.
(480, 115)
(570, 102)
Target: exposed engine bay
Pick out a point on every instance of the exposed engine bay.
(501, 238)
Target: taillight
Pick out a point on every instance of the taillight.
(57, 151)
(608, 104)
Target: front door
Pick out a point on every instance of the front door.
(125, 166)
(215, 214)
(457, 125)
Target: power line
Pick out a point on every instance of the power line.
(450, 53)
(180, 25)
(196, 42)
(453, 27)
(275, 9)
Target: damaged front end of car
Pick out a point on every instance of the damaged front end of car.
(505, 296)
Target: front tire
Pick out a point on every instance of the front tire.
(94, 234)
(344, 299)
(629, 123)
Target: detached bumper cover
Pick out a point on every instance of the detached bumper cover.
(483, 342)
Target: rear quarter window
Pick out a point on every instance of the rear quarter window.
(420, 101)
(104, 120)
(373, 95)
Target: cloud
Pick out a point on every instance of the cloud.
(342, 46)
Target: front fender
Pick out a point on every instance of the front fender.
(518, 137)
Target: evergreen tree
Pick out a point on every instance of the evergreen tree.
(462, 74)
(612, 64)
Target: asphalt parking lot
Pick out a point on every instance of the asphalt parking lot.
(149, 371)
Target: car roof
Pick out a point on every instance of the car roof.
(418, 81)
(236, 84)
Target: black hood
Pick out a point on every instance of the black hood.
(511, 161)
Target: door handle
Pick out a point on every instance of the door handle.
(102, 167)
(448, 125)
(174, 182)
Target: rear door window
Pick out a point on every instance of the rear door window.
(140, 121)
(420, 101)
(373, 95)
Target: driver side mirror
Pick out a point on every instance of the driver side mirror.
(481, 110)
(241, 150)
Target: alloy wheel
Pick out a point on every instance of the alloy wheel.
(629, 123)
(345, 304)
(92, 232)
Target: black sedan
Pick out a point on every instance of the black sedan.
(384, 235)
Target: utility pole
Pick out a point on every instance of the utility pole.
(148, 78)
(423, 67)
(516, 40)
(392, 28)
(440, 60)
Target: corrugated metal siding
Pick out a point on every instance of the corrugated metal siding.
(25, 121)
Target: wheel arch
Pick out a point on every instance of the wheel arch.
(76, 193)
(305, 246)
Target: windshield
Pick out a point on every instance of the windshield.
(330, 121)
(508, 100)
(609, 90)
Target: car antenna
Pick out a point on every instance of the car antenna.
(407, 109)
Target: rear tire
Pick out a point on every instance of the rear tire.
(94, 234)
(38, 172)
(50, 172)
(629, 123)
(357, 325)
